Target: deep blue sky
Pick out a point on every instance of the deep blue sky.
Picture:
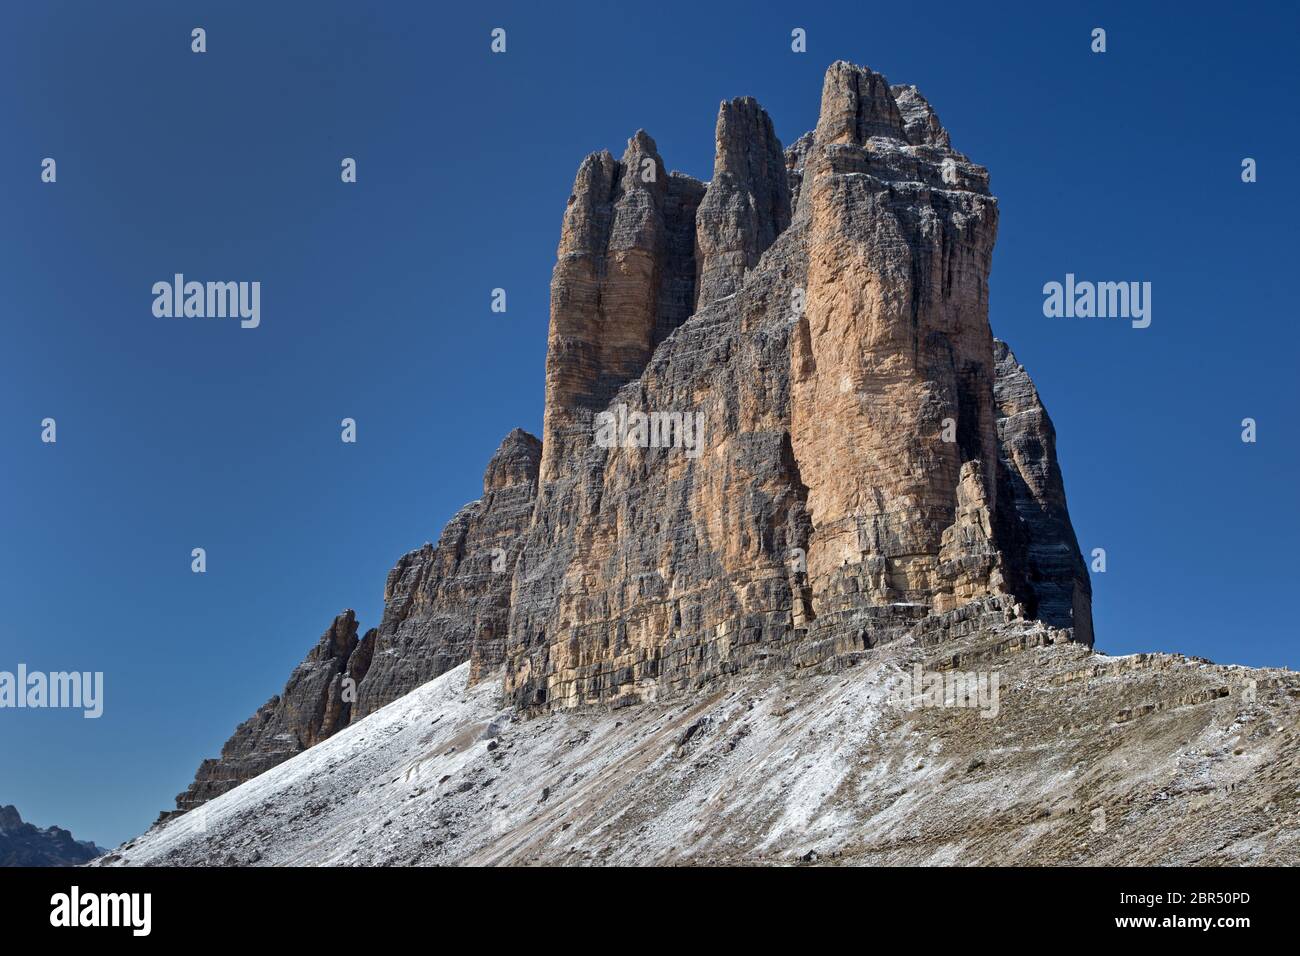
(375, 305)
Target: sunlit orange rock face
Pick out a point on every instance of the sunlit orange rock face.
(895, 343)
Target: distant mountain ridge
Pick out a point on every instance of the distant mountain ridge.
(24, 844)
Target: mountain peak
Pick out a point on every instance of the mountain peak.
(777, 432)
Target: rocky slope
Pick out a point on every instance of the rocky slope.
(24, 844)
(1147, 759)
(312, 706)
(820, 445)
(442, 605)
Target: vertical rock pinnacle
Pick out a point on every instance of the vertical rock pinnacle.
(746, 205)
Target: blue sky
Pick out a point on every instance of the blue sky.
(375, 305)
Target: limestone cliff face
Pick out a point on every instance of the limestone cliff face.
(852, 478)
(812, 444)
(746, 206)
(1055, 571)
(624, 279)
(647, 569)
(892, 350)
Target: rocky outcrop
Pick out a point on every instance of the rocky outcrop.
(24, 844)
(443, 606)
(746, 205)
(624, 279)
(1054, 569)
(920, 123)
(312, 706)
(851, 478)
(447, 604)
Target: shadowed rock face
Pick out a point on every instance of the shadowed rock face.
(920, 124)
(871, 463)
(746, 206)
(1055, 571)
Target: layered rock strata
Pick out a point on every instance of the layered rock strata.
(857, 472)
(624, 280)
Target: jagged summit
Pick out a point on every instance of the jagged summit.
(864, 463)
(515, 462)
(844, 366)
(747, 203)
(920, 122)
(857, 103)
